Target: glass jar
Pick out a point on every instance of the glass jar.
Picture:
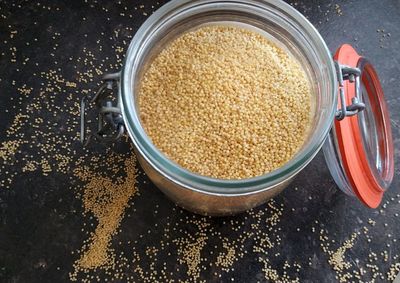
(291, 31)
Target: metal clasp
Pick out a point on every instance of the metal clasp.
(353, 75)
(110, 123)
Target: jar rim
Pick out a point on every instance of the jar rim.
(184, 177)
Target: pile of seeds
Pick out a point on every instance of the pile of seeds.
(107, 201)
(225, 102)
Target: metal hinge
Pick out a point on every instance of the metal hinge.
(110, 122)
(353, 75)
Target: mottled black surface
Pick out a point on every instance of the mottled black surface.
(40, 218)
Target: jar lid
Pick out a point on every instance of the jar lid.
(359, 148)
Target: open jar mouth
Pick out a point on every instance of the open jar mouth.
(284, 26)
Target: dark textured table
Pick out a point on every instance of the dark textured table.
(53, 52)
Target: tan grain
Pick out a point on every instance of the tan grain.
(225, 102)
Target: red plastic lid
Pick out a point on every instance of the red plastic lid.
(364, 141)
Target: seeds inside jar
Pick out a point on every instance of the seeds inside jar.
(225, 102)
